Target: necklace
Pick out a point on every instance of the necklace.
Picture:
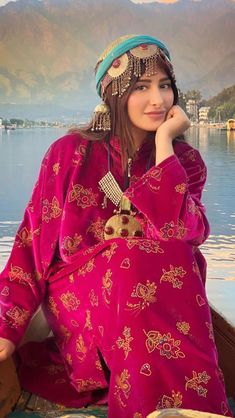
(123, 223)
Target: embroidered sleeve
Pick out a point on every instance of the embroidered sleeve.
(22, 284)
(169, 196)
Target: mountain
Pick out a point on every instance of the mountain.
(48, 48)
(223, 104)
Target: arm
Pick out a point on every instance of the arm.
(22, 284)
(169, 196)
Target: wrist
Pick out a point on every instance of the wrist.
(163, 136)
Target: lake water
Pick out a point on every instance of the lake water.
(21, 152)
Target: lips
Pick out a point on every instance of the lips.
(155, 113)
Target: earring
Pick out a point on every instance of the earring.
(101, 120)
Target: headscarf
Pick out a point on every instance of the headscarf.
(124, 56)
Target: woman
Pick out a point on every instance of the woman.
(109, 245)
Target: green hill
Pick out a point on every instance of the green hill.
(223, 105)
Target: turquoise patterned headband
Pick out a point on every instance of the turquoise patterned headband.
(123, 57)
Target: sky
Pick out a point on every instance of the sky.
(3, 2)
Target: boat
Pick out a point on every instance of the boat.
(15, 403)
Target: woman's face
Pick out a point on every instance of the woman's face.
(148, 104)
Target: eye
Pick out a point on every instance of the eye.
(140, 87)
(165, 85)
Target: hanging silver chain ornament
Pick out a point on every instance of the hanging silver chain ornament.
(123, 223)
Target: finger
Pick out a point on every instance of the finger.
(3, 355)
(170, 114)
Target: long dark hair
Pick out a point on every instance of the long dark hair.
(120, 123)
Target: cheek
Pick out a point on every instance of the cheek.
(170, 99)
(132, 106)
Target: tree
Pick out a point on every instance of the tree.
(194, 95)
(17, 122)
(182, 101)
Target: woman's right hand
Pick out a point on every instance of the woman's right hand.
(6, 348)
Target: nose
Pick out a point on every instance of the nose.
(156, 98)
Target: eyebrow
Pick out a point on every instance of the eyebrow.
(147, 80)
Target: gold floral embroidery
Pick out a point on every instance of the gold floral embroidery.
(211, 332)
(144, 292)
(167, 346)
(88, 323)
(122, 387)
(98, 365)
(107, 286)
(137, 415)
(74, 323)
(16, 317)
(145, 245)
(66, 335)
(71, 244)
(181, 188)
(24, 238)
(91, 249)
(173, 230)
(175, 401)
(81, 348)
(30, 206)
(87, 385)
(84, 197)
(71, 278)
(52, 306)
(146, 369)
(56, 168)
(70, 301)
(151, 178)
(193, 208)
(196, 382)
(155, 173)
(124, 343)
(173, 276)
(133, 180)
(51, 210)
(87, 268)
(110, 251)
(97, 229)
(17, 273)
(79, 154)
(183, 327)
(203, 173)
(93, 298)
(151, 231)
(80, 150)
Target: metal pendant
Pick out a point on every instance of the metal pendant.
(123, 224)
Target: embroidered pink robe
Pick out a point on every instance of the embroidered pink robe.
(131, 314)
